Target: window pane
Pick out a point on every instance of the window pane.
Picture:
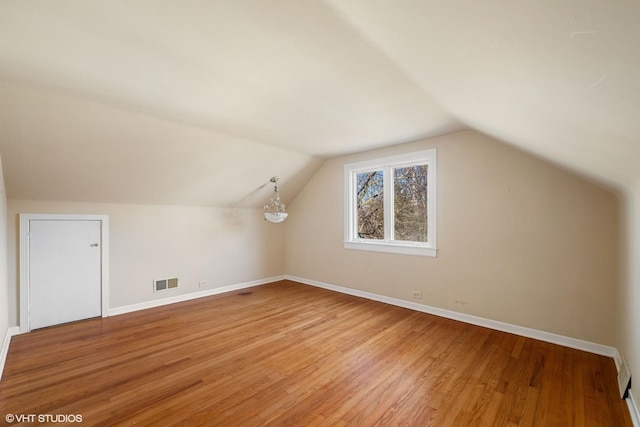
(410, 203)
(370, 205)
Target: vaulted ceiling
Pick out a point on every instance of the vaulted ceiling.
(201, 102)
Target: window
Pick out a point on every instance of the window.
(391, 204)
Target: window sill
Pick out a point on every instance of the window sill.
(394, 248)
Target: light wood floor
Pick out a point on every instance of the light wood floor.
(290, 354)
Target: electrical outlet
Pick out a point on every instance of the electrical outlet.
(202, 283)
(417, 294)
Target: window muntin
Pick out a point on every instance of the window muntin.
(390, 204)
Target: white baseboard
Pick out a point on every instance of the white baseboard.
(633, 409)
(186, 297)
(14, 330)
(578, 344)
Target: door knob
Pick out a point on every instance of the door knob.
(94, 245)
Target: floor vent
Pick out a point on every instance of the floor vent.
(244, 294)
(165, 284)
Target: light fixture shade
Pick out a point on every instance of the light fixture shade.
(275, 217)
(274, 211)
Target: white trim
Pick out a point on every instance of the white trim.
(624, 374)
(186, 297)
(396, 248)
(575, 343)
(14, 330)
(24, 259)
(618, 360)
(633, 409)
(388, 244)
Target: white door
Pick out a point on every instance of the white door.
(64, 271)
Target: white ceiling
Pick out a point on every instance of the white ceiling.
(201, 102)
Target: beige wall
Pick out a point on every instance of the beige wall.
(223, 247)
(628, 339)
(4, 289)
(520, 240)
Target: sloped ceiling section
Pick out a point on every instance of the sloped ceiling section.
(59, 147)
(201, 102)
(558, 78)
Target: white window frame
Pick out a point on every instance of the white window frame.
(386, 164)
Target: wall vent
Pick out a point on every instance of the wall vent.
(624, 378)
(165, 284)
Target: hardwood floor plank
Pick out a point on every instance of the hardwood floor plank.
(577, 383)
(287, 354)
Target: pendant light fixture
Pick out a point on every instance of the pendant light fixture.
(274, 211)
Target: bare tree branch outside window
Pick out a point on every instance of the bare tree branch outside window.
(410, 203)
(370, 205)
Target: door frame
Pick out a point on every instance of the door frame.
(24, 259)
